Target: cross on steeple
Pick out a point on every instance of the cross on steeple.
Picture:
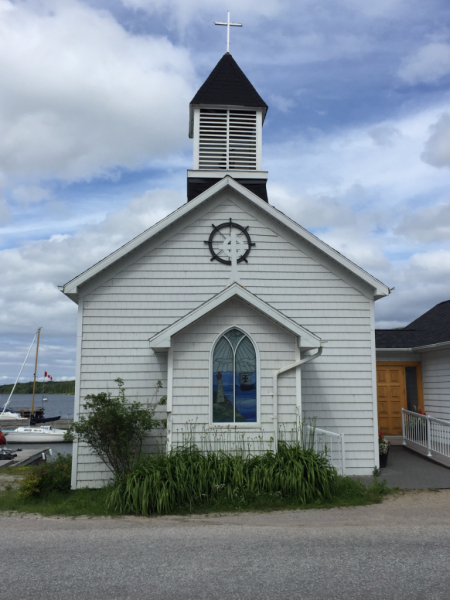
(228, 25)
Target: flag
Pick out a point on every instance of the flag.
(45, 374)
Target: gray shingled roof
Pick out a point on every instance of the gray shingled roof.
(228, 85)
(433, 327)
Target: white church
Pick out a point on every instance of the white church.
(251, 322)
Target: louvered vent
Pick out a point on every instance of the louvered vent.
(227, 140)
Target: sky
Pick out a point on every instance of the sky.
(94, 146)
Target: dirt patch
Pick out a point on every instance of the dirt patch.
(12, 480)
(411, 508)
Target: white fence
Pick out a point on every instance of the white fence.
(234, 441)
(427, 432)
(331, 443)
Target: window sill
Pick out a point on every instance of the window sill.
(235, 426)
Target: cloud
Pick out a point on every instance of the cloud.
(380, 8)
(184, 11)
(280, 32)
(428, 225)
(437, 147)
(30, 194)
(428, 264)
(94, 93)
(427, 65)
(30, 274)
(421, 282)
(81, 95)
(334, 220)
(366, 192)
(5, 211)
(312, 211)
(384, 135)
(281, 103)
(382, 157)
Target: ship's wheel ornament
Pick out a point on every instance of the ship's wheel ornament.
(229, 241)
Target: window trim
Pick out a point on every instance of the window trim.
(239, 425)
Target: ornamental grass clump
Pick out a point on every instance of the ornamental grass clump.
(186, 478)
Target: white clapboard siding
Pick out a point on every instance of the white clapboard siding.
(436, 383)
(129, 306)
(191, 399)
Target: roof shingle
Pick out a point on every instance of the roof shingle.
(228, 85)
(433, 327)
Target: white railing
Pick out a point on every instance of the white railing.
(331, 443)
(233, 441)
(427, 432)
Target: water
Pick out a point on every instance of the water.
(57, 405)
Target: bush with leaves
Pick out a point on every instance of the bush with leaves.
(115, 428)
(52, 476)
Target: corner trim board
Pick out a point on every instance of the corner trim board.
(73, 483)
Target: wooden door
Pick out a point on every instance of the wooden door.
(391, 394)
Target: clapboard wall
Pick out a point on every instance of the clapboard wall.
(172, 274)
(192, 372)
(436, 383)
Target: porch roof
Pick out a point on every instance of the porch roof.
(430, 329)
(306, 339)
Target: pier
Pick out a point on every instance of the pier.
(26, 457)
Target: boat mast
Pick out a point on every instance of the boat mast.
(35, 371)
(20, 373)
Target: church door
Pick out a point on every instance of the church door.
(399, 385)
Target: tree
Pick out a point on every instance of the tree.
(115, 428)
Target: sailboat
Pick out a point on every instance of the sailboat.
(30, 434)
(7, 416)
(10, 415)
(44, 434)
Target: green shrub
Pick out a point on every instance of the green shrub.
(52, 476)
(188, 478)
(115, 428)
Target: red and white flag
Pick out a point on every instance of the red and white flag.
(48, 376)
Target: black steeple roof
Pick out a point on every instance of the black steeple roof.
(228, 85)
(433, 327)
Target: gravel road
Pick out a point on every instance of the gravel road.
(397, 550)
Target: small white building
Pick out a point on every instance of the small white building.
(218, 298)
(413, 369)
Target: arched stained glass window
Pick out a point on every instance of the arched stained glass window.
(234, 379)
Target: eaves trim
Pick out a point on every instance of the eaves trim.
(162, 341)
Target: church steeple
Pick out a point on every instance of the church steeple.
(226, 118)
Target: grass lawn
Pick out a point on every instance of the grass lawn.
(92, 503)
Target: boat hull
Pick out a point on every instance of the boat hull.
(17, 438)
(25, 435)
